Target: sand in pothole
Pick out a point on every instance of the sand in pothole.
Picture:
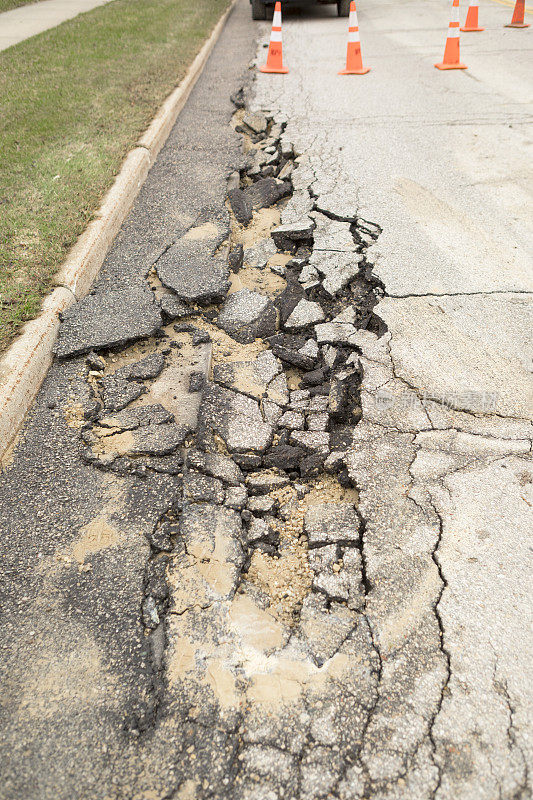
(225, 349)
(263, 281)
(206, 231)
(96, 536)
(259, 228)
(171, 388)
(287, 580)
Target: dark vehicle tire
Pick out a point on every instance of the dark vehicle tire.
(343, 8)
(259, 10)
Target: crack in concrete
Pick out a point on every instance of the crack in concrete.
(523, 791)
(444, 649)
(439, 401)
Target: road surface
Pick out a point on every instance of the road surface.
(267, 529)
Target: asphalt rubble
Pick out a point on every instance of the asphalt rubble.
(276, 387)
(270, 435)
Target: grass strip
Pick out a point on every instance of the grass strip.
(73, 101)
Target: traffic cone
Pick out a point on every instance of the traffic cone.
(354, 62)
(518, 16)
(451, 51)
(472, 22)
(275, 49)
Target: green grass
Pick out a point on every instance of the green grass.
(73, 101)
(5, 5)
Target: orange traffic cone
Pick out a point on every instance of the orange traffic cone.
(354, 62)
(518, 16)
(275, 49)
(451, 51)
(472, 21)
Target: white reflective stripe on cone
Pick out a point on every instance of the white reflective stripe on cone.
(453, 33)
(275, 36)
(277, 19)
(353, 36)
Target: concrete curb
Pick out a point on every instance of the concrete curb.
(24, 365)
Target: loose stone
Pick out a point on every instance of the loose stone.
(259, 254)
(310, 349)
(95, 362)
(338, 269)
(293, 420)
(147, 368)
(202, 488)
(334, 332)
(217, 466)
(331, 523)
(236, 497)
(317, 422)
(305, 314)
(256, 122)
(310, 440)
(258, 529)
(236, 258)
(318, 403)
(173, 308)
(248, 315)
(235, 418)
(312, 465)
(266, 481)
(195, 270)
(261, 504)
(133, 418)
(284, 457)
(118, 392)
(109, 320)
(288, 237)
(286, 347)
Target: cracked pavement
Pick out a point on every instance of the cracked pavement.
(266, 530)
(442, 455)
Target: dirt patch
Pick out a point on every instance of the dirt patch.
(225, 349)
(259, 228)
(95, 536)
(258, 280)
(205, 231)
(74, 415)
(287, 578)
(113, 442)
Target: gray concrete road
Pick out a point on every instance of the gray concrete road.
(442, 456)
(27, 21)
(267, 529)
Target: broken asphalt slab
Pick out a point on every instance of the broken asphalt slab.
(109, 320)
(193, 269)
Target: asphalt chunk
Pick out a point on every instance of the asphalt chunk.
(194, 271)
(108, 320)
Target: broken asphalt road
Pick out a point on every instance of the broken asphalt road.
(265, 531)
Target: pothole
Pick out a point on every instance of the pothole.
(250, 403)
